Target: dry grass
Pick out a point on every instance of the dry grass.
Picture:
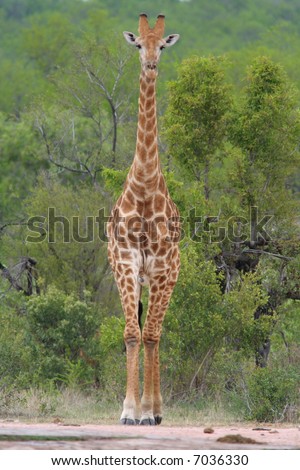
(70, 406)
(75, 407)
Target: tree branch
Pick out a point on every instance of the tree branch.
(109, 97)
(42, 131)
(13, 282)
(293, 295)
(263, 252)
(8, 224)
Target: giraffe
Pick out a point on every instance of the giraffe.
(143, 235)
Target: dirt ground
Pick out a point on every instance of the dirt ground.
(16, 435)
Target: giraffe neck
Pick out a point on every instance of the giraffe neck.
(145, 171)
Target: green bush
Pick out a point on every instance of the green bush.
(273, 394)
(62, 332)
(16, 356)
(201, 320)
(113, 357)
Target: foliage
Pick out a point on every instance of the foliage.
(113, 356)
(266, 129)
(66, 236)
(273, 394)
(16, 363)
(195, 119)
(114, 180)
(48, 51)
(202, 320)
(62, 332)
(19, 149)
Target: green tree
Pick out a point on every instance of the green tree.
(257, 139)
(266, 128)
(20, 162)
(46, 49)
(71, 249)
(195, 122)
(89, 126)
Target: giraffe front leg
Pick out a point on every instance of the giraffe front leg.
(157, 398)
(158, 304)
(131, 406)
(147, 417)
(129, 292)
(151, 399)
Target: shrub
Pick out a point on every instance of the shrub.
(62, 332)
(113, 357)
(16, 357)
(273, 393)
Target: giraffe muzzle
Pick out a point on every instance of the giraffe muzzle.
(151, 66)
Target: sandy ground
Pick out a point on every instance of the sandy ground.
(15, 435)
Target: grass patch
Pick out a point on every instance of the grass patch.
(67, 405)
(72, 406)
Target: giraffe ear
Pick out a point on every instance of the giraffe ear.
(171, 39)
(130, 37)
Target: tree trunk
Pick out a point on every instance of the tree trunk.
(206, 182)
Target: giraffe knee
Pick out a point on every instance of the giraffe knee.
(150, 338)
(132, 337)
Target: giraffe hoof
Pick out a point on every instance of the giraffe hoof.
(147, 422)
(128, 421)
(158, 419)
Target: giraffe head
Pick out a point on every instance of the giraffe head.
(150, 43)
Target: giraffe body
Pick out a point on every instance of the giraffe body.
(143, 233)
